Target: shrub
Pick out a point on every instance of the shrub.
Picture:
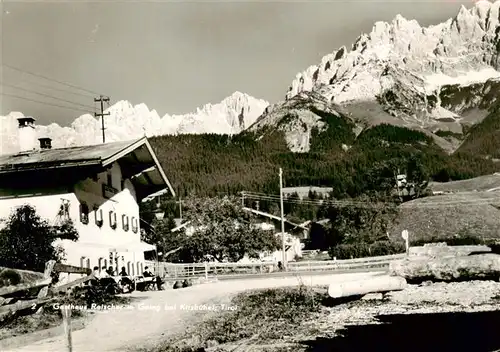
(9, 277)
(451, 241)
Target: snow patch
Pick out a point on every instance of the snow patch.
(436, 80)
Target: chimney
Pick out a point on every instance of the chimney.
(45, 143)
(27, 134)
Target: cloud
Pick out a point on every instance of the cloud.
(93, 33)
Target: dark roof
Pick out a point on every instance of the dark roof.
(137, 155)
(62, 155)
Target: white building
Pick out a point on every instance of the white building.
(98, 187)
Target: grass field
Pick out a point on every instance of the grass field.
(465, 214)
(481, 183)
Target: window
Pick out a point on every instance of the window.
(112, 219)
(110, 179)
(135, 225)
(98, 216)
(125, 222)
(84, 213)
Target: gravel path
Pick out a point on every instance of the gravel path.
(432, 298)
(160, 313)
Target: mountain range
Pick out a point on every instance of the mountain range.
(127, 121)
(440, 79)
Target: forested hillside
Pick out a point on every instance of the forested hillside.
(215, 164)
(483, 139)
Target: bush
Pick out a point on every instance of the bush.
(269, 314)
(451, 241)
(9, 277)
(363, 250)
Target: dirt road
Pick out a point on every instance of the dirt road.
(154, 315)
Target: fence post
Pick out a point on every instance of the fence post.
(206, 270)
(66, 315)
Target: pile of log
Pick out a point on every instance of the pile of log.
(435, 262)
(29, 298)
(460, 268)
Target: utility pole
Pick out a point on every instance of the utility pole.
(101, 100)
(285, 264)
(243, 198)
(180, 208)
(397, 185)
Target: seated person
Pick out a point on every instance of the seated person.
(123, 272)
(95, 280)
(147, 273)
(110, 271)
(159, 283)
(95, 271)
(103, 274)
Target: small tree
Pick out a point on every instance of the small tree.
(354, 224)
(224, 231)
(165, 240)
(27, 241)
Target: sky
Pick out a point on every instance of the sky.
(175, 56)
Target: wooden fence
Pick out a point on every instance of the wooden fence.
(209, 270)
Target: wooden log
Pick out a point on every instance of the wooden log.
(65, 287)
(379, 284)
(463, 268)
(21, 305)
(10, 290)
(70, 269)
(439, 251)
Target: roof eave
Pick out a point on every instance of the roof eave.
(120, 154)
(36, 166)
(138, 143)
(159, 168)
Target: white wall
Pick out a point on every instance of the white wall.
(94, 241)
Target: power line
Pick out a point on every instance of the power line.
(45, 103)
(47, 96)
(50, 79)
(56, 89)
(346, 203)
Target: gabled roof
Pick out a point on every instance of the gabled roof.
(136, 157)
